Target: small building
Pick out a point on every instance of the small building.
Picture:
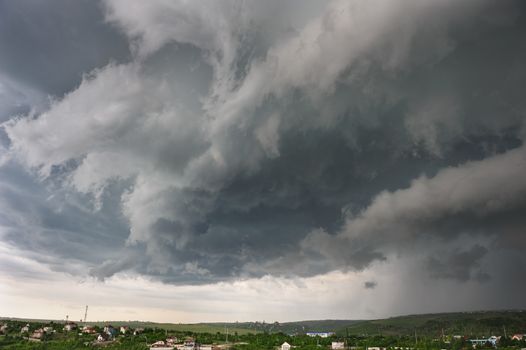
(493, 340)
(337, 345)
(110, 331)
(375, 348)
(70, 326)
(171, 341)
(138, 331)
(124, 329)
(101, 337)
(37, 335)
(518, 337)
(25, 329)
(48, 329)
(190, 344)
(89, 330)
(285, 346)
(161, 345)
(3, 328)
(320, 334)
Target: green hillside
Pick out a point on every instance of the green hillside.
(460, 323)
(483, 323)
(291, 327)
(179, 327)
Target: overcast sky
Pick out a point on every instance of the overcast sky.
(189, 161)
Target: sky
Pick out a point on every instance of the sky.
(191, 161)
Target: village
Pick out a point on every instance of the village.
(16, 334)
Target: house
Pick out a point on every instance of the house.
(161, 345)
(337, 345)
(25, 329)
(375, 348)
(48, 330)
(285, 346)
(493, 340)
(110, 331)
(518, 337)
(88, 330)
(3, 328)
(320, 334)
(37, 335)
(171, 341)
(102, 337)
(69, 326)
(124, 329)
(190, 344)
(138, 331)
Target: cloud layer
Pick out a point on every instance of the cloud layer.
(206, 142)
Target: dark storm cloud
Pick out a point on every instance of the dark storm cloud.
(236, 146)
(459, 265)
(48, 46)
(57, 227)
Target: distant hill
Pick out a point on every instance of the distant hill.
(292, 327)
(483, 323)
(480, 323)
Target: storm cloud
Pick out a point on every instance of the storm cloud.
(203, 142)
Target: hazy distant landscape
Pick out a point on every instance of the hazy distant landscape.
(429, 331)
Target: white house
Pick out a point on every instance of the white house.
(320, 334)
(190, 344)
(285, 346)
(69, 326)
(171, 341)
(337, 345)
(88, 330)
(25, 329)
(161, 345)
(37, 335)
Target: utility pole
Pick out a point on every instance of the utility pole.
(86, 314)
(504, 327)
